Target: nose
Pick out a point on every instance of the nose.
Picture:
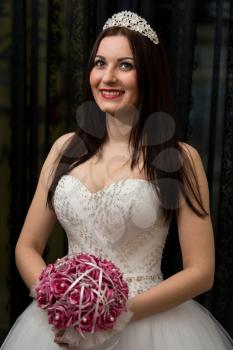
(109, 75)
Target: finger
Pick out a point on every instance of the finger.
(62, 345)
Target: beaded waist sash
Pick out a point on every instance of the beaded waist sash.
(140, 282)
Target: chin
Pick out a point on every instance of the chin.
(108, 110)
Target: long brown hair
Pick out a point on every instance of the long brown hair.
(166, 163)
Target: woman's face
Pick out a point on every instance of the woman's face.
(113, 78)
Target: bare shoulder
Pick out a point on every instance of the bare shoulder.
(62, 141)
(199, 170)
(53, 157)
(193, 155)
(188, 149)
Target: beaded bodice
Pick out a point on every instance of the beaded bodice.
(122, 222)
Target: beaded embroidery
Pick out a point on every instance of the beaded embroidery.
(103, 223)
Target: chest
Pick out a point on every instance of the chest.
(101, 170)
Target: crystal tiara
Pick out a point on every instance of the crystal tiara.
(134, 22)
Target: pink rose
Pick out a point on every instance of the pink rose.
(124, 288)
(109, 294)
(120, 303)
(101, 309)
(88, 298)
(107, 321)
(47, 271)
(95, 274)
(86, 324)
(74, 296)
(60, 284)
(82, 267)
(83, 257)
(111, 272)
(59, 316)
(66, 267)
(45, 297)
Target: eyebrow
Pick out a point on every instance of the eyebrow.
(119, 59)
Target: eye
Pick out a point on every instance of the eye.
(126, 65)
(98, 63)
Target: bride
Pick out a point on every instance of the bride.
(114, 186)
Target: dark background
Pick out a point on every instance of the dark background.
(44, 49)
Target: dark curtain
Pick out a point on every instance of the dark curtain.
(44, 50)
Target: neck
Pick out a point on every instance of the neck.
(120, 125)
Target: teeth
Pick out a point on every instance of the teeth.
(111, 93)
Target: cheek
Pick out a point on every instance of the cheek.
(133, 86)
(93, 79)
(134, 91)
(131, 82)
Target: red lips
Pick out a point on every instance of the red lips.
(111, 93)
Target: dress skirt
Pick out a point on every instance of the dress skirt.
(188, 326)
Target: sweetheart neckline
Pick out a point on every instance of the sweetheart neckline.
(106, 187)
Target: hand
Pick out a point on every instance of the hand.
(67, 338)
(70, 339)
(59, 339)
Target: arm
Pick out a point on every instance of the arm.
(198, 255)
(38, 224)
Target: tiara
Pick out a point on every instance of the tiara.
(134, 22)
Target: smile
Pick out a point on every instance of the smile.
(111, 94)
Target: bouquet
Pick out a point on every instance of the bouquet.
(85, 296)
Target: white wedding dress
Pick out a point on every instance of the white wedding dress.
(122, 222)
